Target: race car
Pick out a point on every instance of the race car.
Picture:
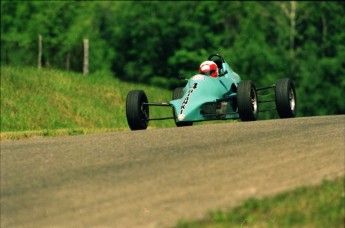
(206, 98)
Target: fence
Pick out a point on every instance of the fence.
(67, 57)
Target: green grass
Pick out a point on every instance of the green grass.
(317, 206)
(54, 103)
(50, 102)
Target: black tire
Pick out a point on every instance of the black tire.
(247, 101)
(137, 113)
(178, 94)
(286, 100)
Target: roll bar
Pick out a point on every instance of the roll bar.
(216, 55)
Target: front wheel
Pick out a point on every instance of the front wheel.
(247, 101)
(136, 111)
(286, 100)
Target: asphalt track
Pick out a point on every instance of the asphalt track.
(156, 177)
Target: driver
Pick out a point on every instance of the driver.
(209, 68)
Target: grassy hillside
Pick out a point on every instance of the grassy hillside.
(316, 206)
(51, 102)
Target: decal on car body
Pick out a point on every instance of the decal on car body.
(181, 116)
(198, 78)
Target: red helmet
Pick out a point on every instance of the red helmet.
(209, 68)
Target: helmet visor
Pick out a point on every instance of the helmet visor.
(209, 73)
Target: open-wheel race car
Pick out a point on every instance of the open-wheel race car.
(204, 98)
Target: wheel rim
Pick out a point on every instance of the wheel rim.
(292, 100)
(253, 100)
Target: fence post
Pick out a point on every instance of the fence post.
(67, 61)
(39, 51)
(86, 57)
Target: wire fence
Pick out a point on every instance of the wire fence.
(46, 54)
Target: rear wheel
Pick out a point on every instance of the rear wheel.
(137, 113)
(247, 101)
(178, 94)
(286, 100)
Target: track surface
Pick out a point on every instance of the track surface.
(156, 177)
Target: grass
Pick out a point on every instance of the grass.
(54, 103)
(317, 206)
(50, 103)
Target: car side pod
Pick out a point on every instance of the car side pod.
(178, 94)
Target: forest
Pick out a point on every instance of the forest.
(153, 42)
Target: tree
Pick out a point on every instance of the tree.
(153, 42)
